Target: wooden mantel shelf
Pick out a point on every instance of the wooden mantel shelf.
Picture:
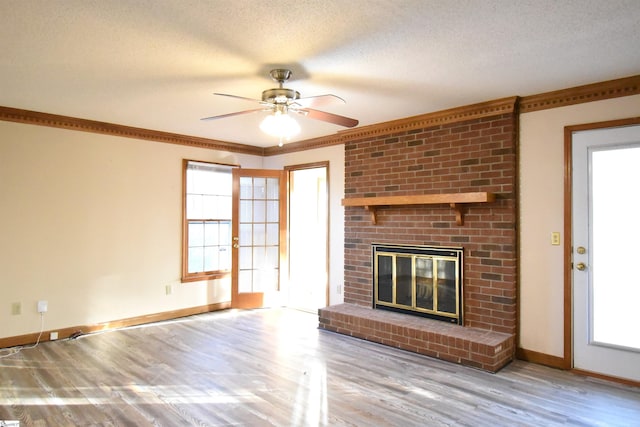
(457, 201)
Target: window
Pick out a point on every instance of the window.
(206, 243)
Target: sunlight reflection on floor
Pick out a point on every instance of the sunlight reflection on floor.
(311, 407)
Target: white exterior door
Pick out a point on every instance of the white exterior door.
(606, 235)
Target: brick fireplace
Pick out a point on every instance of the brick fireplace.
(467, 150)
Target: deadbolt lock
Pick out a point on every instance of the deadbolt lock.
(581, 250)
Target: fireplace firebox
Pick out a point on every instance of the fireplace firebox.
(420, 280)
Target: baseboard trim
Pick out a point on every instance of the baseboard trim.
(542, 358)
(618, 380)
(63, 333)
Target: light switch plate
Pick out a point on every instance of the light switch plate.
(16, 308)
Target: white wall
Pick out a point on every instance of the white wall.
(335, 156)
(92, 223)
(542, 212)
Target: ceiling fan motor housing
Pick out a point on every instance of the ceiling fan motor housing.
(280, 95)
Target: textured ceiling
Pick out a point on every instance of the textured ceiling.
(155, 63)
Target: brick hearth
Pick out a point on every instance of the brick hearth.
(471, 149)
(479, 348)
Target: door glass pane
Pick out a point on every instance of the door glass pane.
(246, 234)
(265, 280)
(246, 187)
(259, 234)
(272, 211)
(273, 189)
(259, 188)
(245, 258)
(259, 212)
(271, 258)
(246, 211)
(272, 237)
(245, 281)
(258, 257)
(614, 284)
(258, 282)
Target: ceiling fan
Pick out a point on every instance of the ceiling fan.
(280, 101)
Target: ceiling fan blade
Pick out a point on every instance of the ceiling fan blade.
(318, 101)
(238, 97)
(222, 116)
(327, 117)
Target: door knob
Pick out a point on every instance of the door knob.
(581, 266)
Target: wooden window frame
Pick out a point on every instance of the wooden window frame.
(204, 275)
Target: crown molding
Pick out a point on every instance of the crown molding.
(84, 125)
(580, 94)
(452, 115)
(307, 144)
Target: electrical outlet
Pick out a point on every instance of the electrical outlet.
(555, 238)
(53, 336)
(43, 306)
(16, 308)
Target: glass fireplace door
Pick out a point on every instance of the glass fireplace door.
(425, 282)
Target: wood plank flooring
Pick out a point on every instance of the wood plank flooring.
(276, 368)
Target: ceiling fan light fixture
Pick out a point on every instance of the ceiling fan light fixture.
(280, 125)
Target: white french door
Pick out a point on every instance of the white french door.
(606, 234)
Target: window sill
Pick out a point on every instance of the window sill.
(206, 276)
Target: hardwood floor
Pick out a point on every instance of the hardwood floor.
(274, 367)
